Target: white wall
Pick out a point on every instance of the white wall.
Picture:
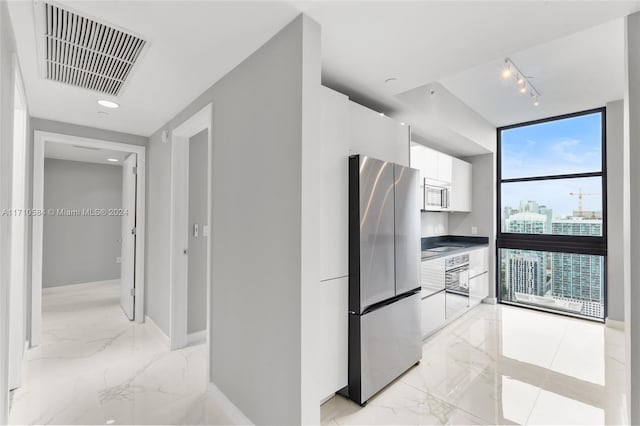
(81, 249)
(7, 49)
(615, 214)
(264, 228)
(483, 214)
(434, 224)
(631, 211)
(445, 123)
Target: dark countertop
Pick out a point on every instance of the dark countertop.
(454, 244)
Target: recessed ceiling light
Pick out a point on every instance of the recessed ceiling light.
(115, 160)
(402, 123)
(108, 104)
(381, 114)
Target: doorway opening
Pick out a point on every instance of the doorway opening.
(91, 230)
(190, 240)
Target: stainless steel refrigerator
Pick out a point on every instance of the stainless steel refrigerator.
(384, 274)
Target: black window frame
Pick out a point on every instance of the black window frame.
(590, 245)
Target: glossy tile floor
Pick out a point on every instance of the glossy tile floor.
(504, 365)
(96, 367)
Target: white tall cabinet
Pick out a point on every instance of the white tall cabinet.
(334, 189)
(461, 186)
(346, 129)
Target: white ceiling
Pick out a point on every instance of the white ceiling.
(574, 73)
(63, 151)
(193, 44)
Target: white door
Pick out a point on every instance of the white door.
(128, 250)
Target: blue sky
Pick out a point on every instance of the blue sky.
(556, 147)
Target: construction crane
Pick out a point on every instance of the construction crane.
(581, 194)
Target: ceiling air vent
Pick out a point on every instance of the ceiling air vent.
(83, 52)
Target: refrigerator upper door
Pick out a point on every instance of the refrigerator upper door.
(407, 228)
(377, 281)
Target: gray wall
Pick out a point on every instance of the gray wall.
(483, 207)
(197, 288)
(615, 216)
(87, 132)
(264, 262)
(80, 249)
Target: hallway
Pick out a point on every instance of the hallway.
(96, 367)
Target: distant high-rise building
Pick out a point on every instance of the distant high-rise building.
(577, 226)
(549, 214)
(527, 223)
(525, 273)
(578, 276)
(588, 214)
(529, 206)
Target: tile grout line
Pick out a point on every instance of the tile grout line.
(564, 335)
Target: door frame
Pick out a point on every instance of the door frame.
(40, 138)
(19, 264)
(179, 224)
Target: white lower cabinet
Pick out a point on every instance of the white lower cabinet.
(478, 261)
(334, 320)
(478, 288)
(433, 313)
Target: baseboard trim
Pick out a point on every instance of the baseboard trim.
(326, 398)
(490, 300)
(158, 331)
(228, 408)
(197, 337)
(618, 325)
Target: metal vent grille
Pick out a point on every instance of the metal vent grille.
(86, 53)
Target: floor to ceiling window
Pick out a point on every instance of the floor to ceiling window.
(552, 214)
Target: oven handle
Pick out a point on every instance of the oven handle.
(459, 268)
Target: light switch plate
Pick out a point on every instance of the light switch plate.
(118, 259)
(205, 230)
(474, 230)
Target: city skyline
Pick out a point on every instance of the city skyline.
(559, 277)
(559, 147)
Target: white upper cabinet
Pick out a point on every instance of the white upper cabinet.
(444, 167)
(461, 184)
(378, 136)
(433, 165)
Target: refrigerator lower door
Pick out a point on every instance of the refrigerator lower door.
(390, 342)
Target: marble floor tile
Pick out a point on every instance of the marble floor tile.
(504, 365)
(94, 366)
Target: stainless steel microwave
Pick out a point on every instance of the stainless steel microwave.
(436, 197)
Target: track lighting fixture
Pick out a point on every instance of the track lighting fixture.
(510, 70)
